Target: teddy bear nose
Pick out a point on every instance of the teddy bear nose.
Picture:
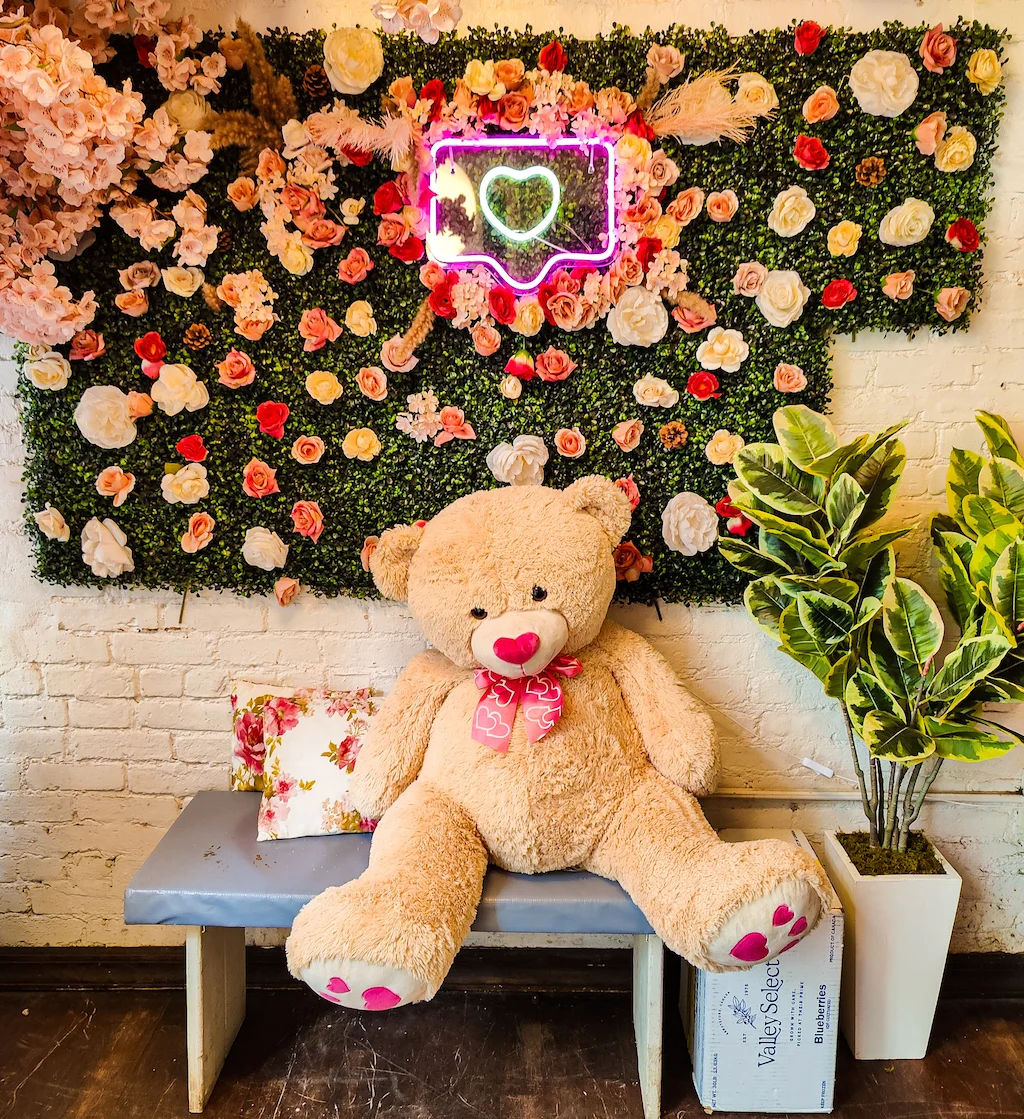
(517, 650)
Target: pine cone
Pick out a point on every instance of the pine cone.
(224, 241)
(315, 82)
(197, 337)
(673, 435)
(871, 171)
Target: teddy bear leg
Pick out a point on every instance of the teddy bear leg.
(723, 906)
(389, 937)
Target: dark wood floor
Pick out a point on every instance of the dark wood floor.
(466, 1055)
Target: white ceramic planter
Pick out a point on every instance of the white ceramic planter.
(897, 937)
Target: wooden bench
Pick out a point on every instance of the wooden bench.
(209, 873)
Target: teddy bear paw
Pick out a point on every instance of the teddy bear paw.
(765, 927)
(363, 986)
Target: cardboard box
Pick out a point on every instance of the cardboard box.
(765, 1039)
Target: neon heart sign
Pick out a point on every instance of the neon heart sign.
(520, 176)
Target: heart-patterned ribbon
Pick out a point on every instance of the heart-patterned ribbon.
(540, 696)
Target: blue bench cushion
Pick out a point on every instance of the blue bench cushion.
(209, 870)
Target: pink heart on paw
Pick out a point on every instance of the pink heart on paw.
(380, 998)
(791, 944)
(329, 998)
(783, 915)
(338, 985)
(750, 948)
(799, 926)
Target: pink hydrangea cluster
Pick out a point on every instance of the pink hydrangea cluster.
(252, 299)
(198, 240)
(176, 69)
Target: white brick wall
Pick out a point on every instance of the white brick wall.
(112, 713)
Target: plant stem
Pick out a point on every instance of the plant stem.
(908, 798)
(876, 765)
(873, 814)
(928, 781)
(858, 769)
(892, 802)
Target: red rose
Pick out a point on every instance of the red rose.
(837, 294)
(150, 347)
(411, 250)
(810, 153)
(725, 508)
(502, 304)
(647, 248)
(636, 124)
(552, 57)
(808, 37)
(191, 448)
(963, 235)
(703, 386)
(434, 91)
(357, 156)
(271, 416)
(144, 47)
(440, 298)
(388, 199)
(739, 525)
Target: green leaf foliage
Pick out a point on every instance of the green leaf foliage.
(912, 622)
(806, 436)
(972, 660)
(768, 474)
(890, 738)
(999, 438)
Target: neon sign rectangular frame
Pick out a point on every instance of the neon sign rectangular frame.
(447, 150)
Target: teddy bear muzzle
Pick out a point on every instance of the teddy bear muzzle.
(519, 642)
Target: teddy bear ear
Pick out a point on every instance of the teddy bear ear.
(604, 501)
(389, 564)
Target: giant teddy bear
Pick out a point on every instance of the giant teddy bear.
(536, 735)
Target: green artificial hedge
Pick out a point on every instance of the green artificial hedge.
(410, 481)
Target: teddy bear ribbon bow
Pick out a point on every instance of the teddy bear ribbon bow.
(540, 696)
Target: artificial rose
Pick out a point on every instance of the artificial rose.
(565, 310)
(103, 417)
(351, 208)
(749, 279)
(951, 303)
(308, 519)
(529, 317)
(570, 442)
(837, 294)
(440, 298)
(844, 238)
(151, 350)
(822, 105)
(187, 485)
(481, 79)
(666, 62)
(176, 388)
(253, 329)
(689, 524)
(317, 328)
(87, 345)
(501, 302)
(510, 387)
(906, 224)
(756, 95)
(938, 50)
(186, 110)
(654, 392)
(367, 550)
(486, 340)
(692, 313)
(789, 378)
(631, 490)
(810, 153)
(899, 285)
(199, 534)
(723, 349)
(396, 355)
(52, 371)
(722, 205)
(630, 562)
(132, 303)
(116, 483)
(359, 319)
(807, 37)
(264, 549)
(388, 198)
(308, 449)
(627, 434)
(353, 59)
(183, 281)
(258, 479)
(295, 256)
(956, 150)
(142, 274)
(372, 382)
(962, 234)
(552, 57)
(271, 416)
(139, 404)
(192, 448)
(723, 447)
(781, 299)
(236, 370)
(686, 205)
(104, 549)
(510, 72)
(354, 268)
(286, 590)
(666, 230)
(513, 112)
(553, 365)
(929, 132)
(791, 212)
(519, 463)
(52, 524)
(703, 386)
(884, 83)
(242, 193)
(361, 443)
(638, 319)
(985, 71)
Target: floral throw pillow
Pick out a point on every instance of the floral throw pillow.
(248, 750)
(311, 742)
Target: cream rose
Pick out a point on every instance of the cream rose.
(782, 298)
(666, 62)
(361, 443)
(104, 418)
(906, 224)
(482, 80)
(956, 150)
(323, 386)
(264, 549)
(187, 485)
(884, 83)
(510, 387)
(51, 371)
(52, 524)
(187, 110)
(844, 238)
(183, 281)
(519, 463)
(104, 550)
(985, 71)
(655, 392)
(791, 212)
(723, 349)
(295, 256)
(689, 524)
(723, 447)
(353, 59)
(638, 319)
(529, 318)
(359, 319)
(756, 95)
(176, 388)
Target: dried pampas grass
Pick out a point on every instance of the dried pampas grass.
(701, 111)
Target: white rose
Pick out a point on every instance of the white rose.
(103, 549)
(186, 109)
(104, 418)
(519, 463)
(756, 94)
(689, 524)
(295, 256)
(638, 319)
(723, 349)
(264, 549)
(782, 298)
(792, 210)
(353, 59)
(655, 393)
(884, 83)
(51, 371)
(52, 524)
(906, 224)
(183, 281)
(187, 485)
(178, 387)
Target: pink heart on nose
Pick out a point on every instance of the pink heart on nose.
(517, 650)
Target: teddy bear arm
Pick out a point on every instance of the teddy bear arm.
(393, 750)
(677, 733)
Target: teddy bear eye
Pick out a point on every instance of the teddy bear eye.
(478, 612)
(539, 594)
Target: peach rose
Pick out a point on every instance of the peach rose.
(308, 449)
(252, 330)
(242, 193)
(141, 274)
(87, 345)
(899, 285)
(570, 442)
(323, 386)
(286, 590)
(513, 112)
(645, 211)
(395, 355)
(628, 268)
(367, 550)
(929, 132)
(354, 268)
(627, 434)
(236, 370)
(686, 205)
(361, 443)
(951, 303)
(789, 378)
(749, 279)
(308, 519)
(402, 91)
(823, 104)
(200, 532)
(723, 447)
(139, 404)
(938, 50)
(321, 233)
(317, 328)
(553, 365)
(722, 205)
(486, 340)
(259, 479)
(133, 303)
(230, 291)
(510, 72)
(372, 382)
(114, 482)
(580, 99)
(694, 314)
(431, 274)
(270, 165)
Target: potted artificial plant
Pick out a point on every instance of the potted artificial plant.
(827, 588)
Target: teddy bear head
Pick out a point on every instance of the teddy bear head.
(509, 578)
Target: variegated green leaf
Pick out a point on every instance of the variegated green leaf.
(888, 737)
(749, 559)
(1003, 481)
(912, 621)
(801, 645)
(962, 478)
(983, 515)
(965, 743)
(804, 435)
(954, 579)
(767, 473)
(865, 693)
(878, 477)
(900, 677)
(987, 551)
(999, 437)
(968, 663)
(829, 620)
(844, 505)
(765, 600)
(1007, 584)
(858, 554)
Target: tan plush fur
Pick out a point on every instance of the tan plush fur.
(611, 787)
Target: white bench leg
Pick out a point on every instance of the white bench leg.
(214, 1004)
(648, 1008)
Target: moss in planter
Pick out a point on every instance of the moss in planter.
(919, 857)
